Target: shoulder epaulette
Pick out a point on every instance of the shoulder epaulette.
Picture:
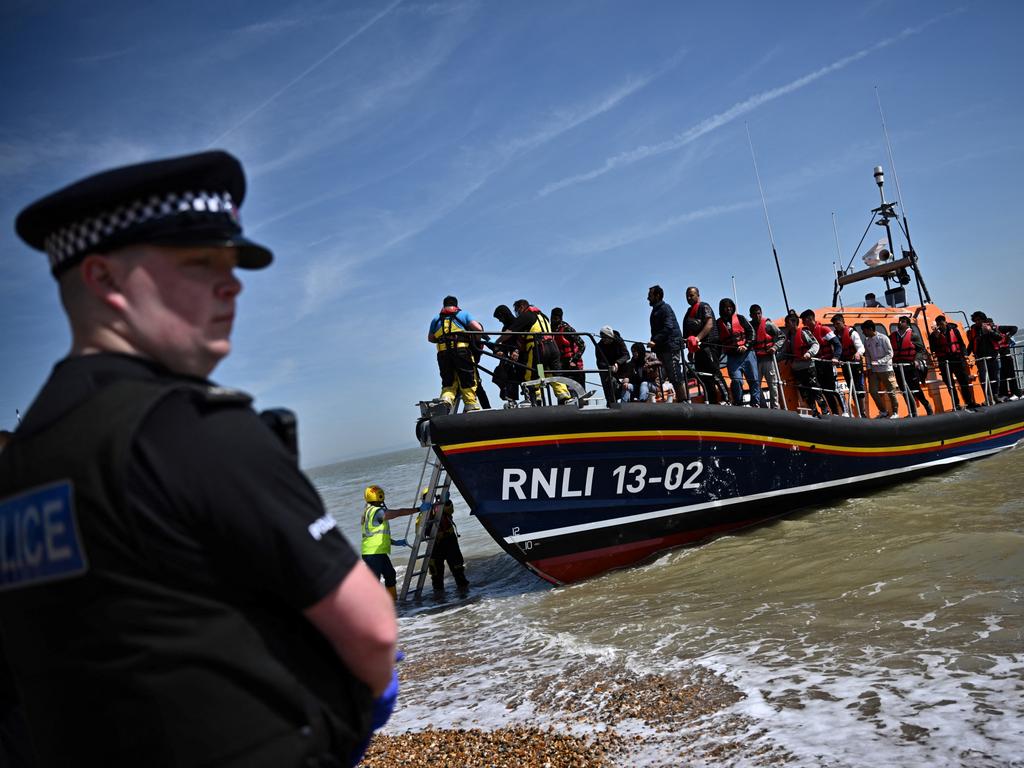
(221, 395)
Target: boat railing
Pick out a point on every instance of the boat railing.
(696, 384)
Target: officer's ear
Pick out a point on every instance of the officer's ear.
(100, 276)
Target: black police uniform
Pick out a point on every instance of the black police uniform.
(179, 640)
(158, 543)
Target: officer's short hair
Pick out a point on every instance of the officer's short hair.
(451, 301)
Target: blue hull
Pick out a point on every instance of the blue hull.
(571, 493)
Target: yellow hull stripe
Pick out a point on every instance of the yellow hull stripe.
(738, 437)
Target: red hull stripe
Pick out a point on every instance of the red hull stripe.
(726, 437)
(565, 569)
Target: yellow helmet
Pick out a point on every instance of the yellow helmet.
(373, 494)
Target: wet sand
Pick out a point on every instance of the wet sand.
(583, 717)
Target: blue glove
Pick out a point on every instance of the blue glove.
(385, 704)
(382, 709)
(400, 542)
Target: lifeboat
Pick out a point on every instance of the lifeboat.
(574, 492)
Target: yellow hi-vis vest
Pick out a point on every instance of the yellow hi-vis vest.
(376, 538)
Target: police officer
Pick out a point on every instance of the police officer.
(177, 594)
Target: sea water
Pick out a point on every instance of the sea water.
(884, 630)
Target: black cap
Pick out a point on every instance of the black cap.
(181, 201)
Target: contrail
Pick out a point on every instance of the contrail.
(306, 72)
(737, 110)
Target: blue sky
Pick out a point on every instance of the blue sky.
(571, 153)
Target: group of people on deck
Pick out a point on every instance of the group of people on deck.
(873, 360)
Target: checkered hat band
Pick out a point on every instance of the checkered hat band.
(79, 238)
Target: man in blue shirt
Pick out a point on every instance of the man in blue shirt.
(455, 353)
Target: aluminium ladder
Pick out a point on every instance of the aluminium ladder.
(428, 522)
(428, 525)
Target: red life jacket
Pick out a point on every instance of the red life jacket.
(948, 343)
(903, 350)
(800, 343)
(733, 335)
(849, 348)
(1002, 343)
(763, 343)
(568, 345)
(824, 347)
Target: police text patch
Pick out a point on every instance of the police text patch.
(39, 537)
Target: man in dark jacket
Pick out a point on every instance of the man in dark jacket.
(666, 340)
(983, 342)
(949, 349)
(736, 336)
(701, 334)
(571, 347)
(612, 360)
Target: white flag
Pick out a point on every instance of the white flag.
(873, 256)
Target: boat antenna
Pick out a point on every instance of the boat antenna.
(734, 299)
(837, 294)
(925, 296)
(892, 162)
(771, 236)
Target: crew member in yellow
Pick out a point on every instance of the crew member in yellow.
(377, 536)
(455, 353)
(539, 348)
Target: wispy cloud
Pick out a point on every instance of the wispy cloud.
(627, 235)
(472, 171)
(96, 58)
(306, 72)
(739, 109)
(68, 151)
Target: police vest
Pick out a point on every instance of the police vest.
(763, 343)
(117, 662)
(903, 350)
(376, 538)
(449, 333)
(731, 336)
(824, 347)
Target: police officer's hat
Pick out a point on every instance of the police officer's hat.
(182, 201)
